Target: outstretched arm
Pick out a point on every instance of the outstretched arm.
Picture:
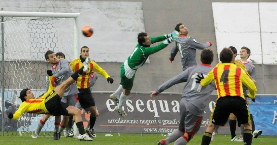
(22, 108)
(194, 44)
(182, 77)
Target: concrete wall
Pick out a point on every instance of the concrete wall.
(160, 17)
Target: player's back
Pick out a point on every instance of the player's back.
(196, 97)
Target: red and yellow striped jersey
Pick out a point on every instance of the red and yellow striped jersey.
(83, 81)
(229, 78)
(34, 105)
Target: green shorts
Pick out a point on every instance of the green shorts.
(125, 82)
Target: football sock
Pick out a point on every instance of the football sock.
(118, 91)
(181, 141)
(92, 121)
(80, 127)
(206, 139)
(62, 127)
(122, 100)
(174, 136)
(57, 125)
(77, 73)
(232, 124)
(70, 122)
(247, 137)
(40, 125)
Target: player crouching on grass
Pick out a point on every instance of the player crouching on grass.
(50, 102)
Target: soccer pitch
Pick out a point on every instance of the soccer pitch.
(126, 139)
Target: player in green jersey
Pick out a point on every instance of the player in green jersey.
(135, 61)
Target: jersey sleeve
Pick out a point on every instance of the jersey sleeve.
(194, 44)
(99, 70)
(157, 39)
(50, 88)
(210, 77)
(64, 68)
(182, 77)
(22, 108)
(249, 84)
(72, 65)
(154, 49)
(174, 51)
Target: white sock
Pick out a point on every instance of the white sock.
(122, 101)
(75, 129)
(118, 91)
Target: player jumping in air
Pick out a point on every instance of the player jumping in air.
(50, 102)
(135, 61)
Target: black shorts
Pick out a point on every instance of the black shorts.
(230, 104)
(54, 105)
(85, 98)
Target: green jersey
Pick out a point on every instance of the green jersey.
(141, 53)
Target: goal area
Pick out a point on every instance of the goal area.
(25, 37)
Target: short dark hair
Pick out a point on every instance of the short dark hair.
(234, 49)
(207, 56)
(226, 55)
(47, 53)
(141, 38)
(247, 50)
(60, 54)
(177, 27)
(23, 93)
(84, 47)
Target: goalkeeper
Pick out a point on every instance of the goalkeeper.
(50, 102)
(135, 61)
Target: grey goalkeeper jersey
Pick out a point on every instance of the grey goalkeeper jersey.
(62, 71)
(187, 47)
(196, 96)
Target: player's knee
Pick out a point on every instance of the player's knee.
(126, 92)
(247, 126)
(96, 114)
(211, 125)
(232, 117)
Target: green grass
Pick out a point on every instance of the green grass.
(125, 139)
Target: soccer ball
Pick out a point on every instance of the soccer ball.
(87, 31)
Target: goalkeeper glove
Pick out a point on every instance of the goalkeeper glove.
(175, 35)
(10, 115)
(199, 78)
(110, 80)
